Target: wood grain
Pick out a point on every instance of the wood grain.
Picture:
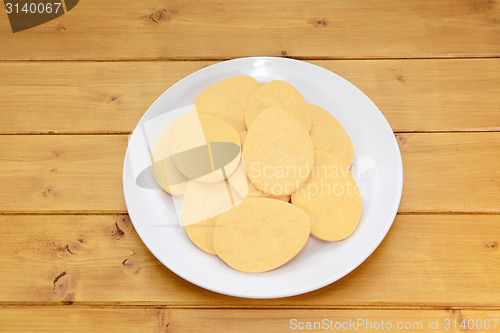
(103, 97)
(55, 319)
(450, 172)
(433, 260)
(215, 29)
(71, 259)
(443, 172)
(62, 173)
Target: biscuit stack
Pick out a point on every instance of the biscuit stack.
(260, 170)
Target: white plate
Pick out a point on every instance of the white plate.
(377, 169)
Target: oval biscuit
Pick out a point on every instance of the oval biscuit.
(254, 192)
(260, 234)
(278, 152)
(166, 174)
(238, 183)
(327, 134)
(227, 99)
(199, 142)
(331, 198)
(201, 234)
(203, 201)
(277, 94)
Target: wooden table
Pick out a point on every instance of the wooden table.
(72, 90)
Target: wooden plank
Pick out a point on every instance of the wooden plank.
(56, 319)
(450, 172)
(414, 95)
(443, 172)
(433, 260)
(62, 173)
(153, 29)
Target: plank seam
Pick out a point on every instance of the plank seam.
(305, 58)
(66, 133)
(236, 307)
(67, 213)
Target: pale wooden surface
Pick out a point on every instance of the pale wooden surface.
(103, 97)
(208, 29)
(443, 172)
(219, 321)
(433, 260)
(70, 259)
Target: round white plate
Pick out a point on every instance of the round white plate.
(377, 169)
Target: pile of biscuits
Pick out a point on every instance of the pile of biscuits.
(259, 170)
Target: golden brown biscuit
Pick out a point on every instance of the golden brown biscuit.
(331, 198)
(260, 234)
(203, 146)
(278, 152)
(253, 192)
(163, 167)
(227, 98)
(238, 184)
(327, 134)
(202, 234)
(203, 201)
(277, 94)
